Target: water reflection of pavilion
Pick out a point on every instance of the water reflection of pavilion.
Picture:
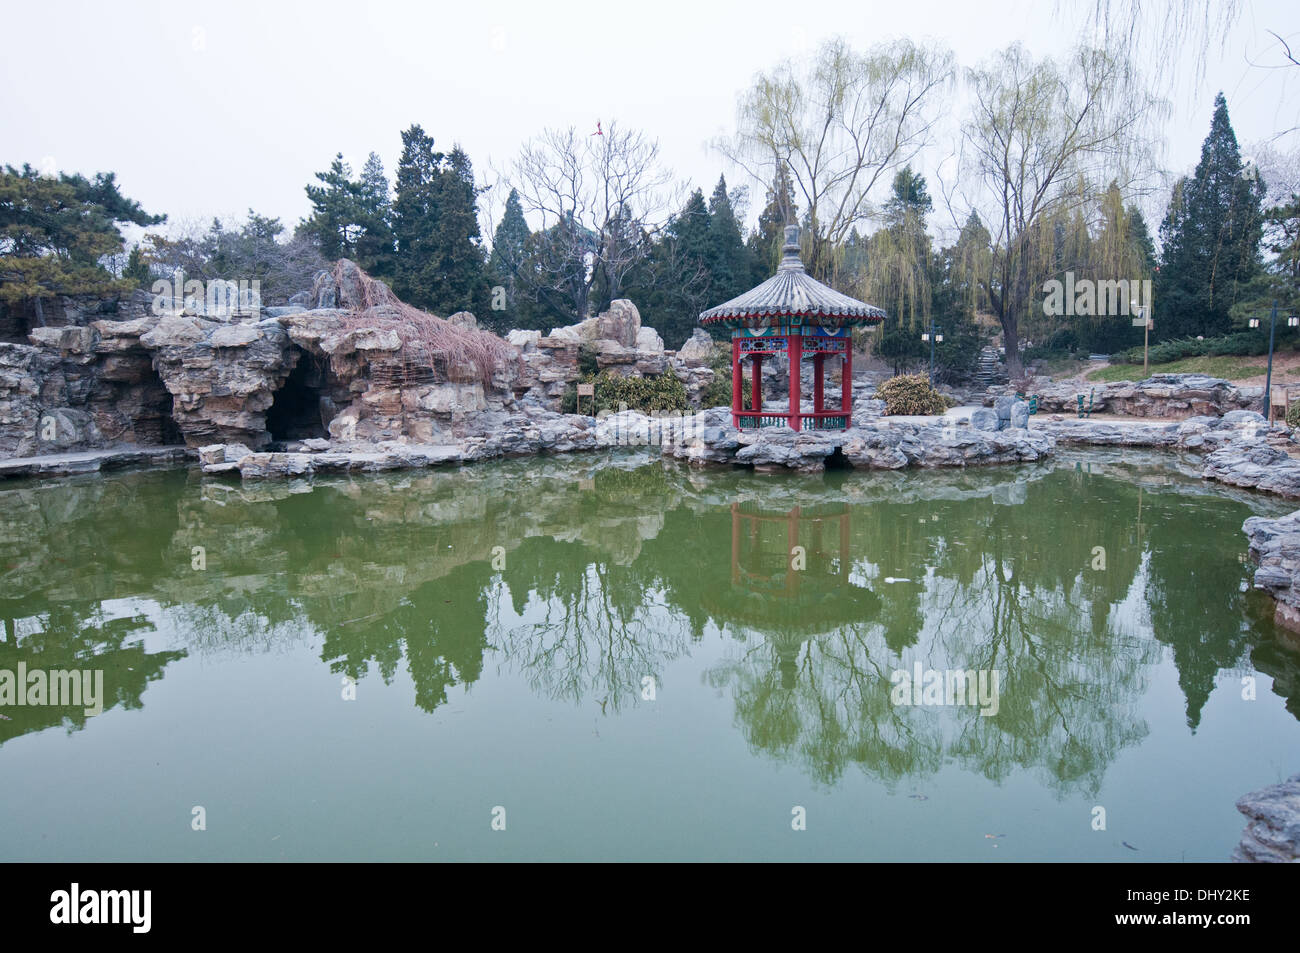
(790, 577)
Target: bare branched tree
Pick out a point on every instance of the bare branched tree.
(840, 123)
(599, 199)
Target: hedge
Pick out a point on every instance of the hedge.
(1241, 344)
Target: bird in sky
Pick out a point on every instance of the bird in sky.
(597, 132)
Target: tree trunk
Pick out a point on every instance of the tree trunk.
(1011, 341)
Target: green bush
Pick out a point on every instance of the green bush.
(718, 393)
(1293, 415)
(911, 394)
(661, 392)
(1241, 344)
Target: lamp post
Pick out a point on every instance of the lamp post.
(1143, 320)
(933, 335)
(1268, 377)
(1291, 322)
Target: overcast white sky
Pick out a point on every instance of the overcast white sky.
(213, 108)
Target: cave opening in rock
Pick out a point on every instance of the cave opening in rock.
(157, 423)
(837, 460)
(297, 411)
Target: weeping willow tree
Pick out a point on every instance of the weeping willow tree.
(1105, 244)
(897, 271)
(839, 123)
(1043, 139)
(1163, 31)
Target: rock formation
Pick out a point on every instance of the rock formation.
(1160, 395)
(1272, 834)
(299, 373)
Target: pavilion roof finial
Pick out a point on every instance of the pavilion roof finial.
(790, 260)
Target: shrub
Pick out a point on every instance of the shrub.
(661, 392)
(718, 393)
(1293, 415)
(911, 394)
(1241, 344)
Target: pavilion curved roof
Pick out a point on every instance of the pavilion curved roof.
(792, 292)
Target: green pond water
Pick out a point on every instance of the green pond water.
(618, 653)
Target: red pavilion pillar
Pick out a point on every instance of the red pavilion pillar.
(756, 386)
(846, 385)
(737, 390)
(819, 382)
(795, 345)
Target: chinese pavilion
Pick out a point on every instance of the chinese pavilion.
(793, 315)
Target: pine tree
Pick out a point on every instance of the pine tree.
(781, 210)
(414, 211)
(1283, 240)
(55, 232)
(673, 284)
(374, 244)
(729, 262)
(509, 251)
(461, 280)
(333, 222)
(1210, 237)
(439, 257)
(137, 269)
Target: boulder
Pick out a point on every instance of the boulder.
(984, 418)
(235, 335)
(524, 340)
(698, 349)
(621, 323)
(1272, 834)
(173, 331)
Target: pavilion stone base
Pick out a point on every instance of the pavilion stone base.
(876, 445)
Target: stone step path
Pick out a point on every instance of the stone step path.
(989, 370)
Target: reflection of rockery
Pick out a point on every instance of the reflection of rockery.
(792, 315)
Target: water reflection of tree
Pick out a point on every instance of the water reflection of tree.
(612, 570)
(1195, 608)
(1024, 602)
(591, 629)
(79, 638)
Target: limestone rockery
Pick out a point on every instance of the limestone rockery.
(295, 374)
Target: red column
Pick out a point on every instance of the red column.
(819, 382)
(795, 344)
(846, 385)
(737, 391)
(756, 385)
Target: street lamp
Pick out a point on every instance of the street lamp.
(933, 335)
(1143, 320)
